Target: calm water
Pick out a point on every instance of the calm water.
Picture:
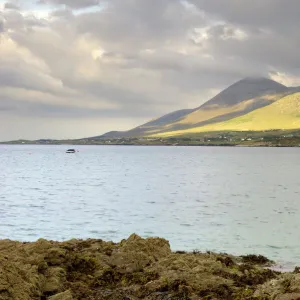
(238, 200)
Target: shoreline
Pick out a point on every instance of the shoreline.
(135, 268)
(270, 138)
(156, 145)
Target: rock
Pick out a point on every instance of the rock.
(154, 247)
(295, 284)
(289, 296)
(18, 280)
(55, 256)
(296, 270)
(135, 268)
(67, 295)
(54, 281)
(256, 259)
(136, 253)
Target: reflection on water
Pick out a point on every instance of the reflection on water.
(237, 200)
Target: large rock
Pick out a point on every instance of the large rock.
(154, 247)
(135, 253)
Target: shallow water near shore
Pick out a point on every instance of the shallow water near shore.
(224, 199)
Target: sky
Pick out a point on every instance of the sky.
(80, 68)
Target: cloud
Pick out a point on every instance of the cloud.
(75, 4)
(10, 5)
(254, 13)
(132, 60)
(62, 13)
(1, 26)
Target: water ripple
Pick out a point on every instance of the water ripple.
(204, 198)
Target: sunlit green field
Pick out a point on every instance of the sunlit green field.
(283, 114)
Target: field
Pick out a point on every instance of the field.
(282, 115)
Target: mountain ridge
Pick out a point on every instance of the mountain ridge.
(156, 122)
(238, 99)
(283, 114)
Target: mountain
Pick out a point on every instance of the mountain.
(238, 99)
(247, 88)
(153, 125)
(283, 114)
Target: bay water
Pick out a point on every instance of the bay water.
(224, 199)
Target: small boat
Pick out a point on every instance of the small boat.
(71, 151)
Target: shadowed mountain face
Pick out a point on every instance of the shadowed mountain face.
(240, 98)
(245, 89)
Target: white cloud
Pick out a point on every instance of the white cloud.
(286, 79)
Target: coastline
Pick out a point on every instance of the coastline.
(135, 268)
(271, 138)
(153, 145)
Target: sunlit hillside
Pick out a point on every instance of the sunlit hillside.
(238, 99)
(283, 114)
(214, 111)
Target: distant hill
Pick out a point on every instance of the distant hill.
(283, 114)
(150, 126)
(237, 100)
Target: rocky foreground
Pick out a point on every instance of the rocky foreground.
(135, 268)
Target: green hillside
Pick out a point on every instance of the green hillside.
(283, 114)
(238, 99)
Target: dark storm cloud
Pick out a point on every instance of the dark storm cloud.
(274, 14)
(142, 24)
(271, 26)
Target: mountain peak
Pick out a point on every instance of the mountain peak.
(255, 78)
(245, 89)
(259, 80)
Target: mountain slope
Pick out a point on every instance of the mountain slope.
(283, 114)
(245, 89)
(150, 126)
(238, 99)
